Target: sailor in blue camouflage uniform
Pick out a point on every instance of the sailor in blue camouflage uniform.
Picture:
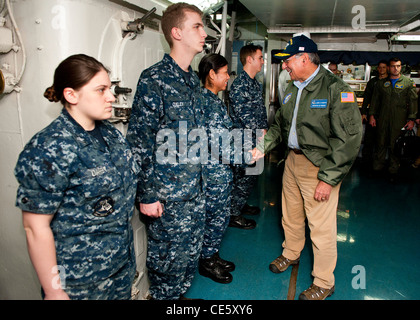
(79, 185)
(248, 112)
(213, 73)
(166, 109)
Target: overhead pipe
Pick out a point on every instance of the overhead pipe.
(410, 26)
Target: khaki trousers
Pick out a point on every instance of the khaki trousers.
(299, 184)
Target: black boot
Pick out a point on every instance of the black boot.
(226, 265)
(242, 222)
(250, 210)
(211, 269)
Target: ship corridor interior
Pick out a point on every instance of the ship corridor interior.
(377, 234)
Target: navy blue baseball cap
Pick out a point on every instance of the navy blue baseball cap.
(298, 44)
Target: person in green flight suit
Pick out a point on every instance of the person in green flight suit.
(393, 107)
(369, 140)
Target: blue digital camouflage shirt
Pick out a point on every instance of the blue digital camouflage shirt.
(219, 128)
(167, 107)
(247, 104)
(90, 190)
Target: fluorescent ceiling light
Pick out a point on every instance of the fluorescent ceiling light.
(407, 37)
(202, 4)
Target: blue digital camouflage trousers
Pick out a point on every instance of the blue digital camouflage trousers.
(174, 246)
(241, 189)
(116, 287)
(218, 199)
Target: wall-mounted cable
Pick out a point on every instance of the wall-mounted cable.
(22, 46)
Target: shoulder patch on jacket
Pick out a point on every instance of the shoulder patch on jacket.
(347, 97)
(287, 98)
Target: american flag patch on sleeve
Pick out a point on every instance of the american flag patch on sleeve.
(347, 97)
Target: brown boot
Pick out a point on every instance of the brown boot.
(281, 263)
(316, 293)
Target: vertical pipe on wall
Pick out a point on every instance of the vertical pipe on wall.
(223, 38)
(22, 47)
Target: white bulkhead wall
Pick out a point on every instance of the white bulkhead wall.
(52, 30)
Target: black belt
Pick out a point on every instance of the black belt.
(297, 151)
